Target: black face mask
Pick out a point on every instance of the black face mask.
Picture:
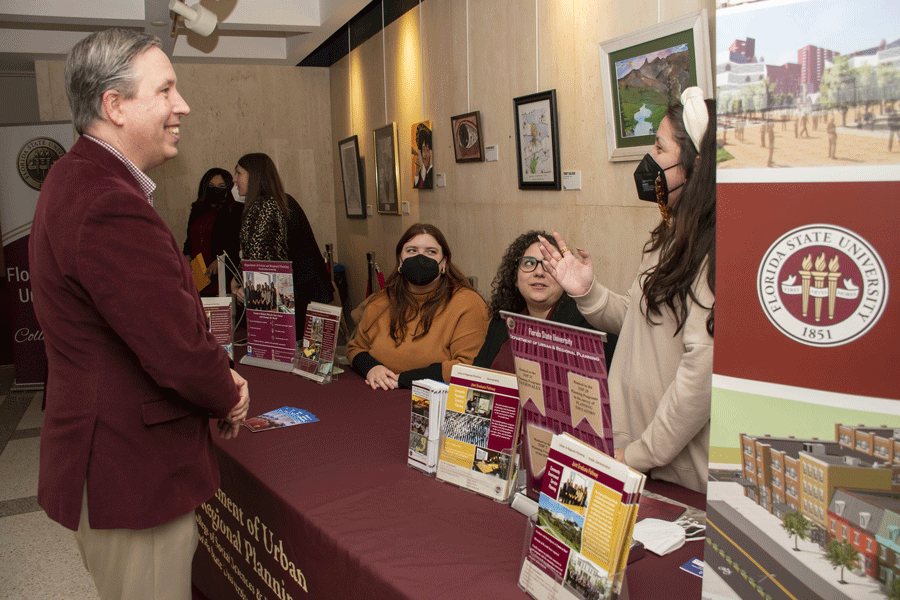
(420, 269)
(217, 196)
(650, 180)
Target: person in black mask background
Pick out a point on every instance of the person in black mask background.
(214, 227)
(660, 381)
(425, 320)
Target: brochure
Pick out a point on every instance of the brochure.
(285, 416)
(480, 433)
(218, 316)
(320, 334)
(561, 372)
(429, 400)
(587, 509)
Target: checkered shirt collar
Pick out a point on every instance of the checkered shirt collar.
(147, 185)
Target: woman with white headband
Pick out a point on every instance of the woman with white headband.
(661, 375)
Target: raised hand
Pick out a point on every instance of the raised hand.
(574, 273)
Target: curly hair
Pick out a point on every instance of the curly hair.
(403, 305)
(689, 245)
(505, 294)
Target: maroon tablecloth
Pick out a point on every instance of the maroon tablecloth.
(330, 510)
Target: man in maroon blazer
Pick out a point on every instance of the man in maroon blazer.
(134, 375)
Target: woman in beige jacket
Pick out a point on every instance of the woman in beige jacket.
(661, 376)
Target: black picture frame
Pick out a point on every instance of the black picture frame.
(387, 170)
(537, 124)
(352, 176)
(468, 141)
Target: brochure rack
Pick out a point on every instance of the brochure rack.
(480, 432)
(315, 357)
(579, 581)
(579, 546)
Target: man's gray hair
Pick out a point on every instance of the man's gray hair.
(103, 61)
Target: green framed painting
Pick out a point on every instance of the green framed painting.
(643, 72)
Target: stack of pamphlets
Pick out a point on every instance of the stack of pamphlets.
(429, 399)
(588, 506)
(280, 417)
(480, 434)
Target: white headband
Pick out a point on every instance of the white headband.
(694, 115)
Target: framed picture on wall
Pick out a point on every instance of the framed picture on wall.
(422, 151)
(352, 176)
(468, 144)
(387, 170)
(643, 72)
(537, 141)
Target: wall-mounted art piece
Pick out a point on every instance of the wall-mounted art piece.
(422, 156)
(537, 141)
(643, 72)
(387, 170)
(352, 176)
(468, 143)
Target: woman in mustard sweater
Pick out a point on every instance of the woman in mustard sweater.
(425, 320)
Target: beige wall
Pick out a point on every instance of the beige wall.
(482, 210)
(297, 116)
(282, 111)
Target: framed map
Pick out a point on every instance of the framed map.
(537, 141)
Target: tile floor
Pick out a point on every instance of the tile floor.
(38, 556)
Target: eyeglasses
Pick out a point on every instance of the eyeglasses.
(527, 264)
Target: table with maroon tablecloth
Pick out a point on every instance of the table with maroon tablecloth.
(330, 510)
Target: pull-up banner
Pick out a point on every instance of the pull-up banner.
(26, 154)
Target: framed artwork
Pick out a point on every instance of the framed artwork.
(537, 142)
(642, 72)
(352, 176)
(422, 156)
(468, 145)
(387, 170)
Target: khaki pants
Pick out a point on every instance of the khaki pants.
(145, 564)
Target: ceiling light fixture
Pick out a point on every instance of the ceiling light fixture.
(198, 19)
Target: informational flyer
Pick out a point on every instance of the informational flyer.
(561, 372)
(269, 298)
(320, 334)
(218, 315)
(480, 433)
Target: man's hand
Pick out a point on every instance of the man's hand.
(230, 425)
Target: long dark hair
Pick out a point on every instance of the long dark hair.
(204, 184)
(403, 305)
(505, 294)
(689, 244)
(263, 181)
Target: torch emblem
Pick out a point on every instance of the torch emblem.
(822, 285)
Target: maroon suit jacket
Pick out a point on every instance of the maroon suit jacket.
(133, 373)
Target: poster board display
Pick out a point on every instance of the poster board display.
(269, 299)
(561, 373)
